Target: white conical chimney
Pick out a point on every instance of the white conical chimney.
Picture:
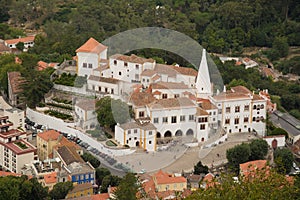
(203, 83)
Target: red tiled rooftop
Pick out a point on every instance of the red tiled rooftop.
(103, 196)
(17, 40)
(92, 46)
(18, 150)
(50, 178)
(49, 135)
(15, 80)
(164, 178)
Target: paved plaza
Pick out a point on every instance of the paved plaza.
(180, 158)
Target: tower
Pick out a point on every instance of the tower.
(203, 84)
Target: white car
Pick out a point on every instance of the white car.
(295, 166)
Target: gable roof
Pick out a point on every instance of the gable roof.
(132, 58)
(15, 80)
(168, 85)
(49, 135)
(23, 39)
(172, 103)
(132, 125)
(141, 98)
(92, 46)
(69, 155)
(164, 178)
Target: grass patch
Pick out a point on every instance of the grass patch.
(21, 145)
(111, 143)
(59, 115)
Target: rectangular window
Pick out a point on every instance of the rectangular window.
(84, 65)
(164, 96)
(125, 64)
(246, 119)
(174, 119)
(246, 108)
(176, 95)
(237, 109)
(90, 65)
(150, 132)
(137, 77)
(165, 119)
(155, 120)
(135, 131)
(236, 121)
(112, 91)
(228, 109)
(115, 62)
(227, 121)
(129, 131)
(137, 67)
(191, 117)
(182, 118)
(202, 126)
(202, 119)
(141, 114)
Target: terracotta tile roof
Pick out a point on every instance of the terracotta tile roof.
(15, 79)
(201, 112)
(17, 40)
(50, 178)
(172, 103)
(164, 178)
(92, 46)
(169, 85)
(268, 72)
(103, 79)
(165, 69)
(156, 92)
(156, 77)
(132, 125)
(69, 155)
(209, 180)
(250, 168)
(65, 142)
(148, 72)
(257, 97)
(3, 173)
(81, 187)
(89, 104)
(231, 96)
(195, 177)
(185, 70)
(132, 58)
(103, 196)
(207, 105)
(4, 48)
(241, 89)
(141, 98)
(18, 150)
(49, 135)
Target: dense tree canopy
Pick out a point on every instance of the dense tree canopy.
(91, 159)
(60, 190)
(128, 188)
(110, 112)
(200, 168)
(22, 188)
(273, 186)
(283, 159)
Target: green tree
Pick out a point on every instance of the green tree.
(110, 112)
(199, 168)
(279, 131)
(20, 46)
(237, 155)
(273, 186)
(127, 188)
(258, 149)
(281, 45)
(283, 159)
(109, 180)
(60, 190)
(101, 172)
(91, 159)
